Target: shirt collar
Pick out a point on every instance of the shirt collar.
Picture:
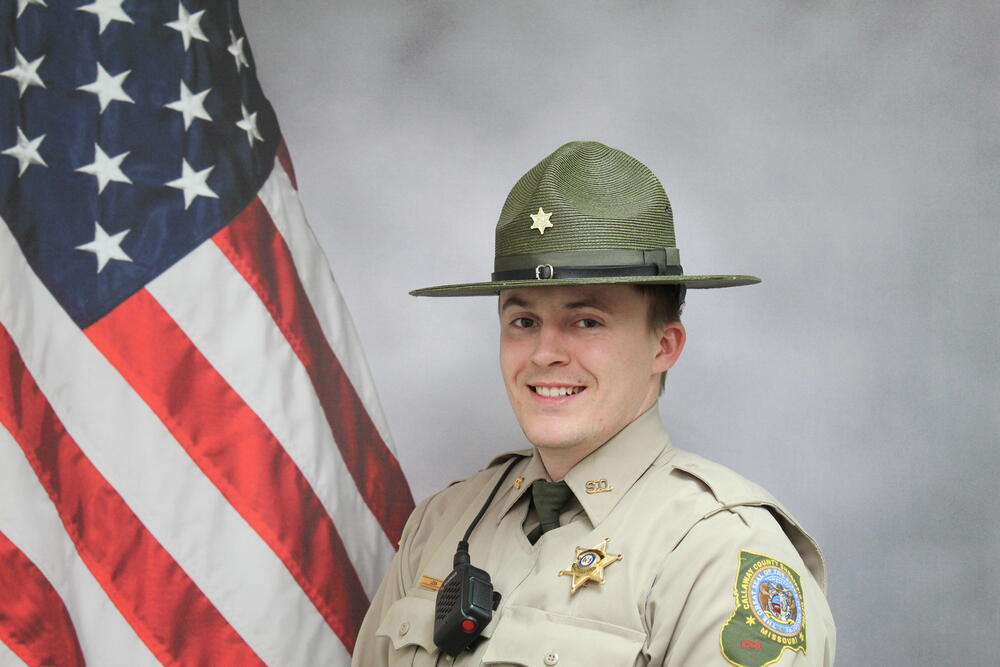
(601, 479)
(527, 473)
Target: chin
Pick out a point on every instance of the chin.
(553, 436)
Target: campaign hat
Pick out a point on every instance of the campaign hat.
(587, 214)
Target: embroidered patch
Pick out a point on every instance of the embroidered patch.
(770, 613)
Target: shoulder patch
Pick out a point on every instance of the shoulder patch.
(770, 614)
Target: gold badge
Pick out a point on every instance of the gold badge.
(518, 482)
(598, 486)
(589, 565)
(540, 220)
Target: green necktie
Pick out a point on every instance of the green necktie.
(549, 498)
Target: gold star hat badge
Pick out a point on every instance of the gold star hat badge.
(589, 565)
(540, 220)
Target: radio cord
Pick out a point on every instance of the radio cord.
(462, 554)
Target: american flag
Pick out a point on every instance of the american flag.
(194, 468)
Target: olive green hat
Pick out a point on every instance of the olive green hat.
(587, 214)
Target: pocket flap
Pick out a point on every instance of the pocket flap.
(409, 621)
(530, 637)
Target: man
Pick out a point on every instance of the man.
(607, 544)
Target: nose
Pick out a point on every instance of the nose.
(550, 347)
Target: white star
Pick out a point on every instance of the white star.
(25, 73)
(108, 88)
(22, 4)
(107, 11)
(26, 151)
(249, 125)
(106, 168)
(236, 48)
(192, 106)
(188, 25)
(106, 247)
(540, 220)
(193, 183)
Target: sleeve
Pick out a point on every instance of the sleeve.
(369, 650)
(736, 592)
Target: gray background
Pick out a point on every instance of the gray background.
(845, 152)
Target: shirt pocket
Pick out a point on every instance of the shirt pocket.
(409, 627)
(532, 637)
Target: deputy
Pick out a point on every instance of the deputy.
(607, 544)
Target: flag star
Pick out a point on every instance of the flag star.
(107, 11)
(188, 25)
(192, 106)
(26, 151)
(22, 4)
(106, 247)
(106, 168)
(249, 125)
(108, 88)
(25, 73)
(193, 183)
(236, 48)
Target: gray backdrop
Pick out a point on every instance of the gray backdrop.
(845, 152)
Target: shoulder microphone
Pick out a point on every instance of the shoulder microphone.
(466, 600)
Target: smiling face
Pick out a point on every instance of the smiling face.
(580, 363)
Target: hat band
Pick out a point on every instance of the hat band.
(588, 264)
(547, 272)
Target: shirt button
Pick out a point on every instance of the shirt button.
(551, 658)
(404, 627)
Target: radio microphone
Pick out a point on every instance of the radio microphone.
(466, 600)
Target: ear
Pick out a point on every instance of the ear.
(671, 339)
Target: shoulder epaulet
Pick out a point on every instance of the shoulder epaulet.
(733, 490)
(507, 456)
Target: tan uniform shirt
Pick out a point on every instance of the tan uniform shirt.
(685, 528)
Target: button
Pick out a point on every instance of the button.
(551, 658)
(404, 627)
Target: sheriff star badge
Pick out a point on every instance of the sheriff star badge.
(589, 565)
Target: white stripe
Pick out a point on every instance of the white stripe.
(282, 202)
(29, 519)
(239, 338)
(125, 440)
(8, 658)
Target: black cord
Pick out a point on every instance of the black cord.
(463, 545)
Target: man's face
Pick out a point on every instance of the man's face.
(581, 363)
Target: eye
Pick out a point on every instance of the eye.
(523, 322)
(587, 323)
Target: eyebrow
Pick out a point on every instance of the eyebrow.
(513, 301)
(589, 303)
(586, 302)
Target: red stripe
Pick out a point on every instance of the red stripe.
(34, 622)
(286, 162)
(165, 608)
(258, 251)
(236, 450)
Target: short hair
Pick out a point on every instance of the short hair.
(664, 305)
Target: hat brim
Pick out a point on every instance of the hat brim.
(494, 287)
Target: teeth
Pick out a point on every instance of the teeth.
(557, 391)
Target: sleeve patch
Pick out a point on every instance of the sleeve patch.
(770, 613)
